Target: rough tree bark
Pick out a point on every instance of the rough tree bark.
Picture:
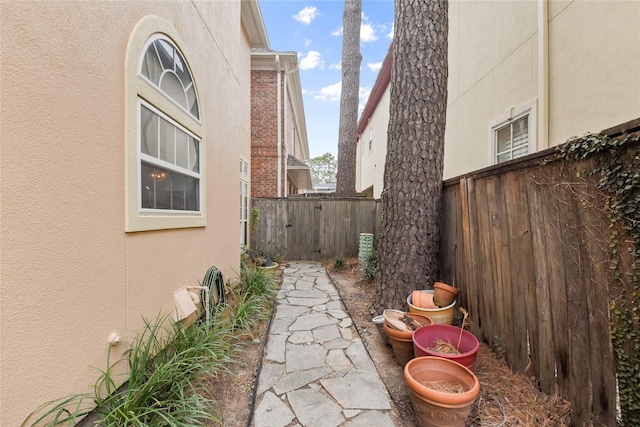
(408, 249)
(351, 59)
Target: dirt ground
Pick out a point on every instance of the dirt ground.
(506, 399)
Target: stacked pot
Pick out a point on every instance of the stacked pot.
(443, 386)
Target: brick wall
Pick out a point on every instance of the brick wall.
(264, 135)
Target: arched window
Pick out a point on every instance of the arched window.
(165, 151)
(163, 65)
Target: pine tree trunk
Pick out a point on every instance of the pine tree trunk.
(411, 199)
(351, 58)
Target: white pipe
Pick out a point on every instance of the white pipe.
(279, 126)
(207, 301)
(543, 74)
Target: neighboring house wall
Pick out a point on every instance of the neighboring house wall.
(264, 134)
(586, 80)
(498, 62)
(71, 275)
(278, 126)
(372, 149)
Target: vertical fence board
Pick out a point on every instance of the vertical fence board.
(500, 264)
(577, 386)
(521, 255)
(542, 342)
(487, 302)
(558, 255)
(602, 364)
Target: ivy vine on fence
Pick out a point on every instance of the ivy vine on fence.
(616, 167)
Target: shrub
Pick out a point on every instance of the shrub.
(370, 267)
(339, 262)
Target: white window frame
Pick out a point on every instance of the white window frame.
(511, 115)
(370, 136)
(140, 91)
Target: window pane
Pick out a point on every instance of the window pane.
(523, 150)
(165, 52)
(503, 139)
(148, 132)
(194, 155)
(164, 189)
(182, 71)
(151, 67)
(504, 157)
(185, 192)
(182, 149)
(521, 132)
(166, 141)
(170, 84)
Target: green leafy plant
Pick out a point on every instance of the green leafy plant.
(167, 365)
(339, 262)
(617, 168)
(254, 219)
(370, 267)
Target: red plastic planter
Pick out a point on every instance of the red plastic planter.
(427, 336)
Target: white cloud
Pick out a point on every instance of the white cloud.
(307, 42)
(306, 15)
(312, 60)
(330, 93)
(375, 66)
(367, 33)
(363, 96)
(337, 32)
(336, 66)
(390, 33)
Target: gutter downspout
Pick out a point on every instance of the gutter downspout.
(279, 126)
(543, 74)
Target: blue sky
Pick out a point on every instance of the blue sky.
(313, 29)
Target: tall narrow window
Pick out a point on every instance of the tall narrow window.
(244, 203)
(165, 148)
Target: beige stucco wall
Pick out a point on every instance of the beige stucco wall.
(370, 163)
(594, 71)
(70, 275)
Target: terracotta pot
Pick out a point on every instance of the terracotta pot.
(402, 341)
(444, 294)
(437, 315)
(426, 337)
(435, 408)
(423, 299)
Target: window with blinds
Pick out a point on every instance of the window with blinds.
(512, 140)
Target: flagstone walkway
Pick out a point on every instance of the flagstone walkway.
(316, 371)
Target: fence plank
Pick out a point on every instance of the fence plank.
(521, 256)
(541, 337)
(602, 363)
(577, 271)
(490, 322)
(558, 255)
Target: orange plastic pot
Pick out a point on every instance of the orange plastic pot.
(402, 341)
(444, 294)
(433, 408)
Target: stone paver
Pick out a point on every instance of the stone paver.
(316, 370)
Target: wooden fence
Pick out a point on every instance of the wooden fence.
(527, 244)
(312, 228)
